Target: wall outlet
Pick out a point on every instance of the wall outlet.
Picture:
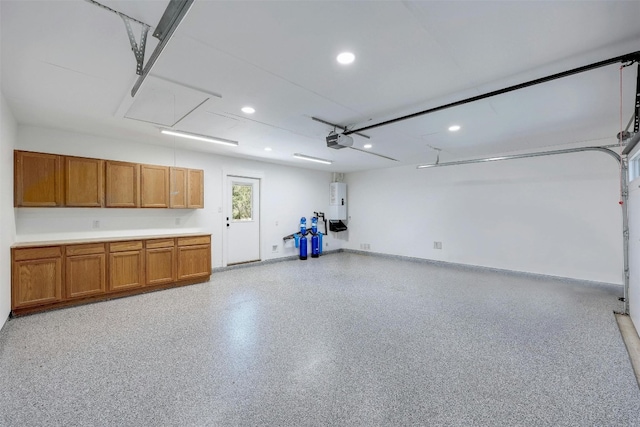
(326, 245)
(274, 248)
(178, 221)
(276, 223)
(437, 245)
(365, 246)
(219, 209)
(95, 224)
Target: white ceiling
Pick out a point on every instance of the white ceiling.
(68, 64)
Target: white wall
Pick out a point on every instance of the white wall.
(8, 131)
(555, 215)
(287, 193)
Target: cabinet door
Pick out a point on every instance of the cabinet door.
(84, 182)
(194, 261)
(126, 270)
(85, 275)
(37, 179)
(154, 186)
(123, 184)
(160, 265)
(195, 188)
(178, 185)
(36, 282)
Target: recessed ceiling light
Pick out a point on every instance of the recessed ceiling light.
(312, 159)
(267, 148)
(367, 145)
(454, 128)
(346, 58)
(248, 110)
(199, 137)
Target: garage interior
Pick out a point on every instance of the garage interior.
(489, 232)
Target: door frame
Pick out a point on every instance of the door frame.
(227, 175)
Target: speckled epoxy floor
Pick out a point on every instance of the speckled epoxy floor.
(345, 339)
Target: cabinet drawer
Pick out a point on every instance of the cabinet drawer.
(88, 249)
(199, 240)
(125, 246)
(37, 253)
(160, 243)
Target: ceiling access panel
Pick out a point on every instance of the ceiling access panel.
(165, 103)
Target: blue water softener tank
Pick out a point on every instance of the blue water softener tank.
(303, 239)
(315, 240)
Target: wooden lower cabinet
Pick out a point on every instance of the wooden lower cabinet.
(36, 276)
(193, 262)
(160, 261)
(54, 276)
(86, 270)
(194, 257)
(126, 267)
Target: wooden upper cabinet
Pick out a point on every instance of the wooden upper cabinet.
(37, 179)
(123, 185)
(154, 186)
(195, 188)
(178, 188)
(49, 180)
(84, 182)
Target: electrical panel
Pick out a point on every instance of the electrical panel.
(338, 201)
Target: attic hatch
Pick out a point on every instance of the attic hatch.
(165, 103)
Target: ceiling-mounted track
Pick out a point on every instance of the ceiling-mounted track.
(605, 150)
(630, 57)
(636, 125)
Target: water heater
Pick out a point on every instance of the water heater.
(338, 201)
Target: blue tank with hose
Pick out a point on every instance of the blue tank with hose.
(315, 239)
(303, 238)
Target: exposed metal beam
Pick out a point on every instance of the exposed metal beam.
(173, 15)
(630, 57)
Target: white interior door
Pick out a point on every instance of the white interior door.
(243, 219)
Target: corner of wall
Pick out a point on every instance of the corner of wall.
(8, 135)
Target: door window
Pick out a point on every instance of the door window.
(242, 202)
